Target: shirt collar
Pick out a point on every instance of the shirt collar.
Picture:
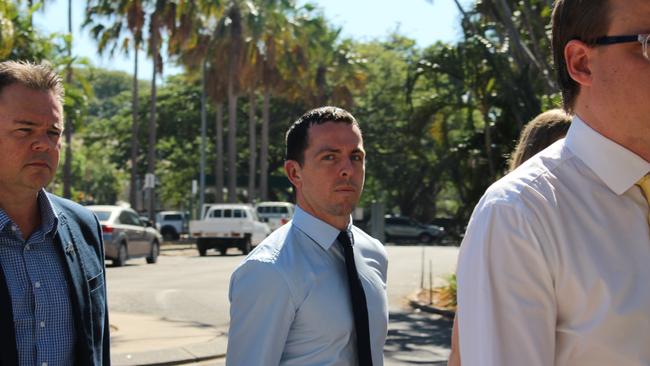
(319, 231)
(49, 218)
(4, 219)
(616, 166)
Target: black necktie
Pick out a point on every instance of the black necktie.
(359, 305)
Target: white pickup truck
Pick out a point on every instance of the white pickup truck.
(275, 214)
(226, 226)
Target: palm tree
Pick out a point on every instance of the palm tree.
(162, 18)
(277, 39)
(195, 41)
(252, 74)
(234, 33)
(67, 164)
(226, 39)
(252, 141)
(127, 16)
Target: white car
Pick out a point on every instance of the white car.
(125, 235)
(171, 224)
(275, 214)
(226, 226)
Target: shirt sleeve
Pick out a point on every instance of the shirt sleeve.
(506, 297)
(261, 313)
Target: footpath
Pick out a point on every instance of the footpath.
(148, 340)
(139, 339)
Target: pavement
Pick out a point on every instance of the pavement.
(141, 339)
(138, 339)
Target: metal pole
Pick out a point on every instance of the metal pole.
(430, 282)
(422, 269)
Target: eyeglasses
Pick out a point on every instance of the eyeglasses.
(642, 38)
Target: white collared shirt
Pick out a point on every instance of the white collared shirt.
(290, 303)
(555, 265)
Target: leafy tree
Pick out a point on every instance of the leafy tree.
(118, 25)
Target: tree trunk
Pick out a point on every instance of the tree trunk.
(133, 189)
(203, 133)
(218, 171)
(522, 52)
(67, 164)
(151, 151)
(252, 134)
(489, 151)
(232, 140)
(264, 148)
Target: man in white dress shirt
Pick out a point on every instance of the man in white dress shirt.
(555, 266)
(314, 291)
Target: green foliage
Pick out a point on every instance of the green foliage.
(438, 122)
(18, 39)
(96, 180)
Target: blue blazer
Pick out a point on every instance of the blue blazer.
(79, 241)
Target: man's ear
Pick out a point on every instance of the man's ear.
(294, 172)
(577, 56)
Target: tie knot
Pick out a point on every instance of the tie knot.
(344, 238)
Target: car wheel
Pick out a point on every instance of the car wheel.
(388, 238)
(155, 250)
(169, 234)
(223, 250)
(200, 246)
(122, 256)
(246, 246)
(425, 238)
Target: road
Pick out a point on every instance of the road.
(183, 287)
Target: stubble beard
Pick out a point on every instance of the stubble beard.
(341, 209)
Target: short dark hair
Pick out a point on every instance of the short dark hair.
(584, 20)
(34, 76)
(297, 137)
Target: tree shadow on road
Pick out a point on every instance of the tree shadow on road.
(417, 339)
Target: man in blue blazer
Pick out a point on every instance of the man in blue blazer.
(53, 308)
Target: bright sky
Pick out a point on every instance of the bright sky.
(423, 20)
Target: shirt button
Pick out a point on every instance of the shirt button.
(44, 364)
(37, 284)
(28, 247)
(42, 324)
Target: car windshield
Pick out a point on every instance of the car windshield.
(103, 215)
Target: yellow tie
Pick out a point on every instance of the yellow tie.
(644, 183)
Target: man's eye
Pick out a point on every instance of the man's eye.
(357, 158)
(328, 157)
(54, 133)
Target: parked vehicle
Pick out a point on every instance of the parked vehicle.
(275, 214)
(126, 236)
(171, 224)
(226, 226)
(401, 227)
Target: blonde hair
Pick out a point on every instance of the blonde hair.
(34, 76)
(539, 133)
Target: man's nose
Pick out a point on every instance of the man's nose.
(347, 167)
(43, 142)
